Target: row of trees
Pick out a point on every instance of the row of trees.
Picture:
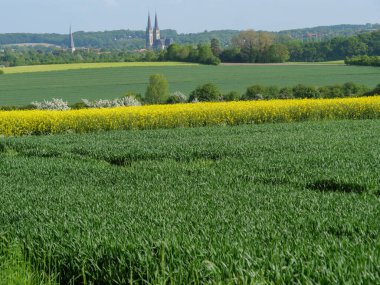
(32, 56)
(262, 47)
(158, 92)
(364, 60)
(132, 40)
(335, 49)
(210, 92)
(247, 46)
(202, 53)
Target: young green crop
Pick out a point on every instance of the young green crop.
(110, 83)
(260, 204)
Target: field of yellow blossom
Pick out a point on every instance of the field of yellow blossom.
(14, 123)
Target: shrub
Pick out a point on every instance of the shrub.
(1, 71)
(206, 93)
(375, 91)
(272, 92)
(177, 97)
(232, 96)
(334, 91)
(54, 104)
(133, 94)
(302, 91)
(79, 105)
(286, 93)
(8, 108)
(119, 102)
(255, 92)
(352, 89)
(157, 90)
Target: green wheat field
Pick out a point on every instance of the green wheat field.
(22, 85)
(256, 204)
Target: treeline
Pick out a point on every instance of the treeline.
(328, 32)
(132, 40)
(364, 60)
(116, 40)
(246, 47)
(262, 47)
(202, 53)
(158, 93)
(210, 92)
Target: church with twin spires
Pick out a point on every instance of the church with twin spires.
(153, 36)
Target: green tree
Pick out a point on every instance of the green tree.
(255, 92)
(278, 53)
(176, 52)
(205, 93)
(215, 47)
(206, 56)
(231, 55)
(302, 91)
(157, 90)
(253, 45)
(232, 96)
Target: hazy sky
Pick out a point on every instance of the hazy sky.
(55, 16)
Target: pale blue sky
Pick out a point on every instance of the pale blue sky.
(182, 15)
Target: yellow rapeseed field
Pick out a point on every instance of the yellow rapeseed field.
(14, 123)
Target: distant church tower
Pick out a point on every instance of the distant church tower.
(153, 36)
(71, 46)
(149, 34)
(156, 31)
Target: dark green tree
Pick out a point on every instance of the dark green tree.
(255, 92)
(205, 93)
(302, 91)
(278, 53)
(215, 47)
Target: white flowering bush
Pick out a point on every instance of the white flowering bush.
(177, 97)
(119, 102)
(54, 104)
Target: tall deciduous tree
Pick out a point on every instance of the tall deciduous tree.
(157, 90)
(253, 44)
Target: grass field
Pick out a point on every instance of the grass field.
(257, 204)
(112, 82)
(74, 66)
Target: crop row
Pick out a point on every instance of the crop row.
(186, 115)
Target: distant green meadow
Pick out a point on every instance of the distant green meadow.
(22, 85)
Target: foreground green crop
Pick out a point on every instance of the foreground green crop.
(266, 204)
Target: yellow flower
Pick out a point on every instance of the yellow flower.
(14, 123)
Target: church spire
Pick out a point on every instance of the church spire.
(149, 27)
(72, 46)
(156, 31)
(156, 23)
(149, 42)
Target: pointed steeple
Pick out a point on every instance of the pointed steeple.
(149, 34)
(156, 32)
(149, 27)
(156, 23)
(72, 46)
